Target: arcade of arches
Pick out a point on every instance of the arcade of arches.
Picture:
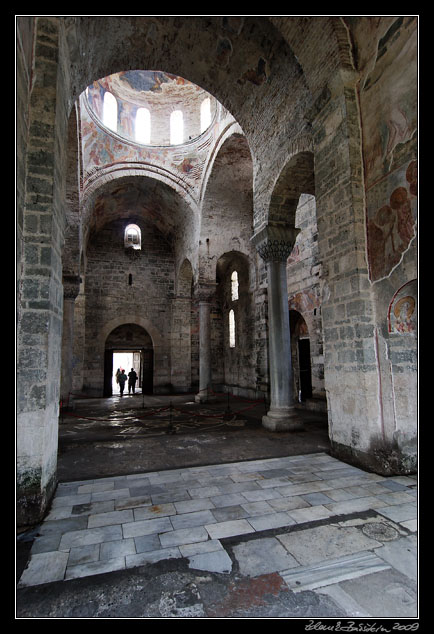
(262, 240)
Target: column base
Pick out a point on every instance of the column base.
(283, 420)
(204, 397)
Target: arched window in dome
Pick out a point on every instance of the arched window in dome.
(234, 286)
(133, 237)
(143, 126)
(231, 329)
(110, 112)
(205, 114)
(176, 127)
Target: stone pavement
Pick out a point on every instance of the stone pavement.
(315, 526)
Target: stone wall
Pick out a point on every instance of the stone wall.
(39, 326)
(111, 299)
(304, 287)
(341, 89)
(239, 361)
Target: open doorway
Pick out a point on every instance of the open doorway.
(129, 346)
(301, 356)
(126, 360)
(305, 370)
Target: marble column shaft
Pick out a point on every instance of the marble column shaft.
(205, 372)
(274, 244)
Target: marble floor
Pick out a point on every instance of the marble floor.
(319, 522)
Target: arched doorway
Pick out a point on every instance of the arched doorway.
(301, 359)
(129, 343)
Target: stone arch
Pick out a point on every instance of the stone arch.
(148, 198)
(184, 280)
(237, 356)
(296, 178)
(233, 260)
(229, 187)
(333, 42)
(231, 129)
(133, 339)
(120, 173)
(257, 40)
(106, 356)
(130, 318)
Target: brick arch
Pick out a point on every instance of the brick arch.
(333, 46)
(296, 178)
(173, 44)
(233, 129)
(111, 173)
(227, 203)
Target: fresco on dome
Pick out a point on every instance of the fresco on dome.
(101, 149)
(144, 81)
(126, 116)
(95, 96)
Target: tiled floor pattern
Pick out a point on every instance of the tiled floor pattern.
(122, 522)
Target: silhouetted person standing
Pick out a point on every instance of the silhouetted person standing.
(132, 378)
(121, 380)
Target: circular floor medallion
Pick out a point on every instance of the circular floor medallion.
(379, 531)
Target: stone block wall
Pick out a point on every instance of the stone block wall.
(110, 297)
(40, 292)
(238, 362)
(304, 286)
(346, 84)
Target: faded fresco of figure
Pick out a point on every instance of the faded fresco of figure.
(403, 312)
(391, 228)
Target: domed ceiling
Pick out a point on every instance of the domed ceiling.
(161, 94)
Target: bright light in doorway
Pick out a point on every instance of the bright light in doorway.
(123, 360)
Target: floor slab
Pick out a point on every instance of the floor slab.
(230, 536)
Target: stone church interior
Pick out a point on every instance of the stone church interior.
(228, 206)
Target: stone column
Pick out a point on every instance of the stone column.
(41, 217)
(181, 344)
(71, 288)
(274, 243)
(205, 294)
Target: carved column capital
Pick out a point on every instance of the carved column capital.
(275, 242)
